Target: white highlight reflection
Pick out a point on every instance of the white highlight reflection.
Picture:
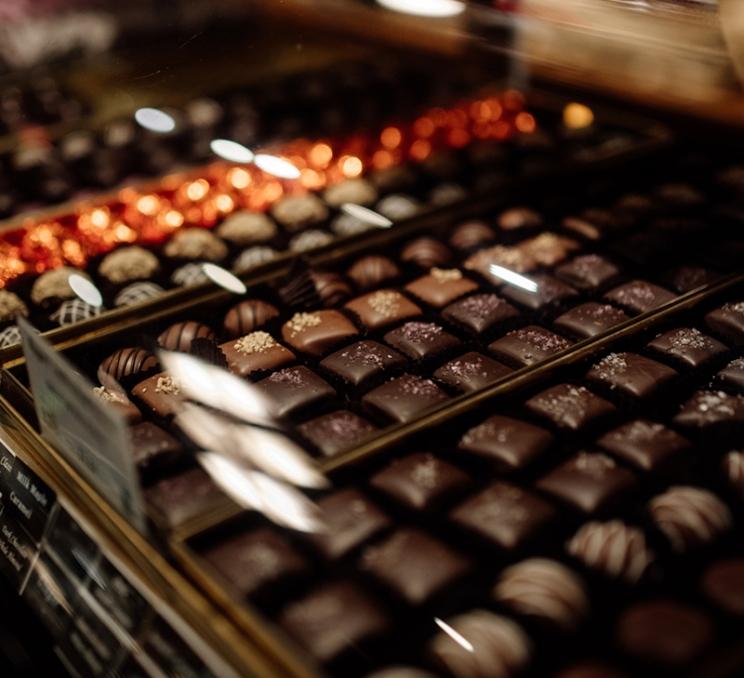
(278, 167)
(431, 8)
(457, 637)
(231, 151)
(512, 278)
(224, 278)
(155, 120)
(366, 215)
(85, 289)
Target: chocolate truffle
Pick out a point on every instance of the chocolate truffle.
(371, 271)
(357, 191)
(733, 469)
(308, 240)
(613, 548)
(587, 272)
(179, 498)
(480, 312)
(723, 584)
(137, 293)
(441, 286)
(639, 296)
(549, 291)
(53, 285)
(413, 565)
(518, 218)
(118, 401)
(295, 388)
(9, 336)
(548, 249)
(569, 407)
(509, 443)
(646, 445)
(471, 234)
(528, 345)
(398, 207)
(471, 372)
(689, 517)
(630, 373)
(331, 288)
(590, 319)
(127, 264)
(195, 243)
(73, 311)
(245, 228)
(680, 195)
(688, 278)
(189, 275)
(179, 336)
(404, 398)
(545, 589)
(363, 362)
(688, 346)
(160, 393)
(733, 374)
(345, 225)
(336, 432)
(11, 305)
(382, 308)
(498, 648)
(253, 257)
(247, 316)
(421, 340)
(152, 447)
(447, 194)
(296, 212)
(317, 332)
(728, 322)
(255, 352)
(127, 362)
(711, 408)
(426, 253)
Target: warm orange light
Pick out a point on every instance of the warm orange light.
(73, 253)
(122, 233)
(312, 180)
(513, 100)
(320, 155)
(173, 219)
(383, 159)
(224, 203)
(438, 116)
(500, 129)
(420, 150)
(239, 178)
(100, 217)
(391, 137)
(424, 127)
(458, 137)
(350, 165)
(495, 109)
(272, 191)
(196, 190)
(525, 122)
(457, 118)
(148, 205)
(577, 116)
(480, 111)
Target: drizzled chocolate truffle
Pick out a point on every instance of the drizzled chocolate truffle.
(331, 288)
(189, 275)
(10, 336)
(74, 311)
(127, 362)
(298, 211)
(518, 218)
(311, 239)
(357, 191)
(426, 253)
(471, 234)
(11, 305)
(53, 285)
(244, 228)
(253, 257)
(179, 336)
(195, 243)
(371, 271)
(128, 264)
(137, 293)
(247, 316)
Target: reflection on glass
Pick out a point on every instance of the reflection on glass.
(457, 637)
(278, 167)
(224, 278)
(431, 8)
(231, 151)
(155, 120)
(366, 215)
(512, 278)
(85, 289)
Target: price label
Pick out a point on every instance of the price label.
(90, 435)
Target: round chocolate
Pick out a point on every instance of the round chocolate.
(371, 271)
(195, 243)
(189, 275)
(247, 316)
(345, 225)
(244, 228)
(470, 234)
(128, 264)
(518, 218)
(10, 336)
(11, 305)
(127, 362)
(179, 336)
(297, 211)
(253, 257)
(53, 285)
(733, 468)
(723, 583)
(397, 207)
(357, 191)
(311, 239)
(426, 253)
(447, 194)
(74, 311)
(332, 289)
(137, 293)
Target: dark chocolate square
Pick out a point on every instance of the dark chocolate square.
(295, 388)
(470, 372)
(317, 332)
(589, 481)
(413, 564)
(728, 321)
(252, 561)
(333, 619)
(441, 286)
(569, 407)
(631, 373)
(510, 443)
(733, 374)
(687, 278)
(480, 312)
(382, 308)
(688, 345)
(549, 291)
(587, 272)
(363, 362)
(421, 340)
(504, 514)
(710, 408)
(639, 296)
(152, 447)
(336, 432)
(644, 444)
(590, 319)
(402, 399)
(350, 520)
(255, 352)
(419, 481)
(528, 345)
(184, 496)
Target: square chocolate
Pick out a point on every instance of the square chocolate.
(182, 497)
(549, 291)
(252, 561)
(513, 258)
(711, 408)
(633, 374)
(441, 286)
(470, 372)
(413, 564)
(639, 296)
(590, 319)
(587, 272)
(255, 352)
(688, 345)
(421, 340)
(548, 249)
(733, 374)
(419, 481)
(336, 432)
(363, 362)
(528, 345)
(160, 393)
(350, 520)
(569, 407)
(317, 332)
(728, 322)
(382, 308)
(118, 402)
(152, 447)
(333, 619)
(480, 312)
(510, 443)
(295, 388)
(505, 515)
(589, 482)
(404, 398)
(645, 444)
